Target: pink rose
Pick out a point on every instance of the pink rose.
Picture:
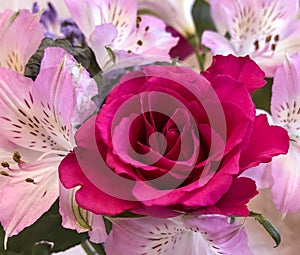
(170, 141)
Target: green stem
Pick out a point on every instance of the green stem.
(194, 41)
(268, 226)
(92, 249)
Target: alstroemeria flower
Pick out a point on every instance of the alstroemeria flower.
(118, 36)
(16, 50)
(21, 4)
(201, 235)
(57, 27)
(265, 30)
(283, 173)
(38, 120)
(176, 13)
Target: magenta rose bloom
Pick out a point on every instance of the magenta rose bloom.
(169, 141)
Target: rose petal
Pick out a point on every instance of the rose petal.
(242, 69)
(273, 141)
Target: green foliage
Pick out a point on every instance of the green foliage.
(202, 18)
(84, 56)
(268, 226)
(262, 96)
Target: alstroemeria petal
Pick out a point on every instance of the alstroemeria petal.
(210, 235)
(89, 13)
(150, 38)
(217, 43)
(84, 86)
(221, 236)
(28, 193)
(261, 174)
(86, 14)
(54, 104)
(102, 38)
(151, 236)
(122, 14)
(74, 217)
(16, 51)
(285, 102)
(147, 43)
(263, 29)
(15, 109)
(250, 21)
(286, 176)
(37, 116)
(176, 13)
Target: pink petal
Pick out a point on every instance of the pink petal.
(211, 234)
(242, 69)
(217, 43)
(84, 87)
(221, 236)
(90, 13)
(261, 174)
(285, 102)
(265, 30)
(102, 37)
(122, 14)
(28, 192)
(16, 50)
(177, 14)
(86, 14)
(235, 200)
(274, 140)
(15, 108)
(73, 217)
(149, 236)
(286, 176)
(150, 38)
(71, 175)
(54, 103)
(37, 111)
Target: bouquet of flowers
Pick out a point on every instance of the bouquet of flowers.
(146, 126)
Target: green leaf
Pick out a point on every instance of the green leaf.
(202, 17)
(271, 229)
(84, 56)
(262, 96)
(44, 237)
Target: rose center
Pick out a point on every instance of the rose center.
(158, 142)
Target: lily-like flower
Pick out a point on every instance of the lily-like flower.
(38, 121)
(283, 173)
(118, 36)
(265, 30)
(176, 13)
(28, 4)
(205, 235)
(57, 27)
(16, 51)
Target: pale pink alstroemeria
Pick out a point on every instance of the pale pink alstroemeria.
(198, 235)
(176, 13)
(118, 36)
(283, 173)
(266, 30)
(16, 50)
(38, 120)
